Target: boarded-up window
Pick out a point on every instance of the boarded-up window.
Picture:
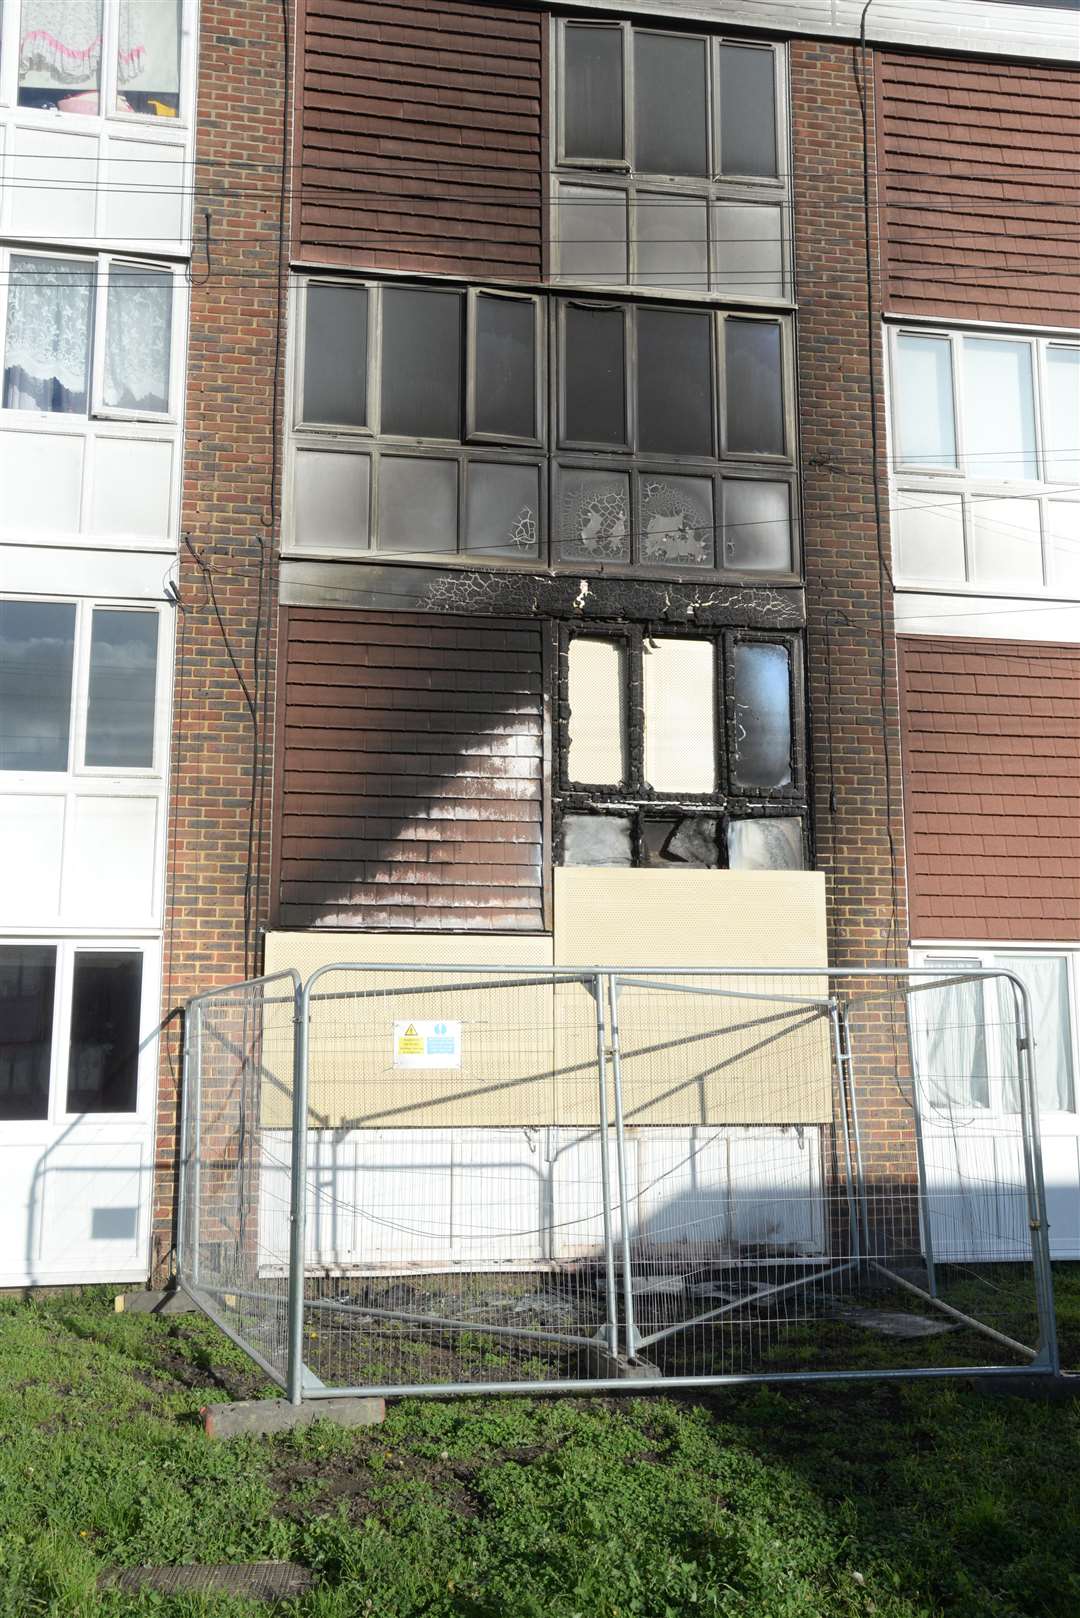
(412, 774)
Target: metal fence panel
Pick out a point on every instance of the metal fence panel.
(235, 1182)
(494, 1177)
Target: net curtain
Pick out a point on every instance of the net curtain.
(61, 41)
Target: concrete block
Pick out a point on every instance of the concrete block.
(603, 1363)
(154, 1303)
(260, 1417)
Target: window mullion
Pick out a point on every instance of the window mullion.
(629, 119)
(102, 268)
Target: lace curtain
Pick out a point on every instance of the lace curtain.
(1046, 978)
(138, 332)
(60, 44)
(47, 351)
(952, 1026)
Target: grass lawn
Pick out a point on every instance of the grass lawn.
(897, 1500)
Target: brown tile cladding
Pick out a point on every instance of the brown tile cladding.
(419, 138)
(980, 188)
(991, 735)
(411, 784)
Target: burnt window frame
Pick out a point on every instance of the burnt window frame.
(634, 799)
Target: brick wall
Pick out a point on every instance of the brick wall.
(851, 648)
(992, 780)
(229, 517)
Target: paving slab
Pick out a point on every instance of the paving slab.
(259, 1417)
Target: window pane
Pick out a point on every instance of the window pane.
(593, 107)
(138, 338)
(949, 1024)
(676, 521)
(925, 430)
(765, 845)
(331, 500)
(594, 519)
(596, 840)
(689, 841)
(123, 675)
(999, 409)
(596, 693)
(27, 986)
(672, 242)
(755, 405)
(670, 121)
(47, 347)
(757, 526)
(335, 355)
(421, 363)
(1046, 978)
(749, 249)
(761, 749)
(60, 55)
(747, 111)
(148, 63)
(590, 225)
(506, 367)
(103, 1064)
(1063, 543)
(37, 641)
(1063, 414)
(417, 504)
(503, 510)
(928, 526)
(674, 381)
(594, 380)
(1006, 541)
(680, 715)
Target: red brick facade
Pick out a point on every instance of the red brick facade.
(230, 528)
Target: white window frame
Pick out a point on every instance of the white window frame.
(988, 957)
(100, 265)
(11, 33)
(67, 946)
(712, 189)
(918, 479)
(77, 768)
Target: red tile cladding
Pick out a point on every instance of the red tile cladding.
(419, 138)
(992, 795)
(979, 188)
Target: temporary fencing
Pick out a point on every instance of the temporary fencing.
(424, 1179)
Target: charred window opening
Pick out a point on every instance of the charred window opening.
(682, 750)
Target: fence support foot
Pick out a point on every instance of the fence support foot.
(602, 1362)
(258, 1418)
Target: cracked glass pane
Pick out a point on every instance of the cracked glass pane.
(594, 516)
(596, 840)
(761, 750)
(765, 845)
(676, 521)
(503, 507)
(690, 840)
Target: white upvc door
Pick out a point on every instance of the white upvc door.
(975, 1207)
(78, 1067)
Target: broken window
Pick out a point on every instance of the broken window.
(649, 776)
(421, 428)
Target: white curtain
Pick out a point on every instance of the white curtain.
(47, 346)
(149, 56)
(138, 331)
(60, 44)
(1046, 978)
(950, 1042)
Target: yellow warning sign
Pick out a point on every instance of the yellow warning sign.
(410, 1042)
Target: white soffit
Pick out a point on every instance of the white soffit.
(1050, 33)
